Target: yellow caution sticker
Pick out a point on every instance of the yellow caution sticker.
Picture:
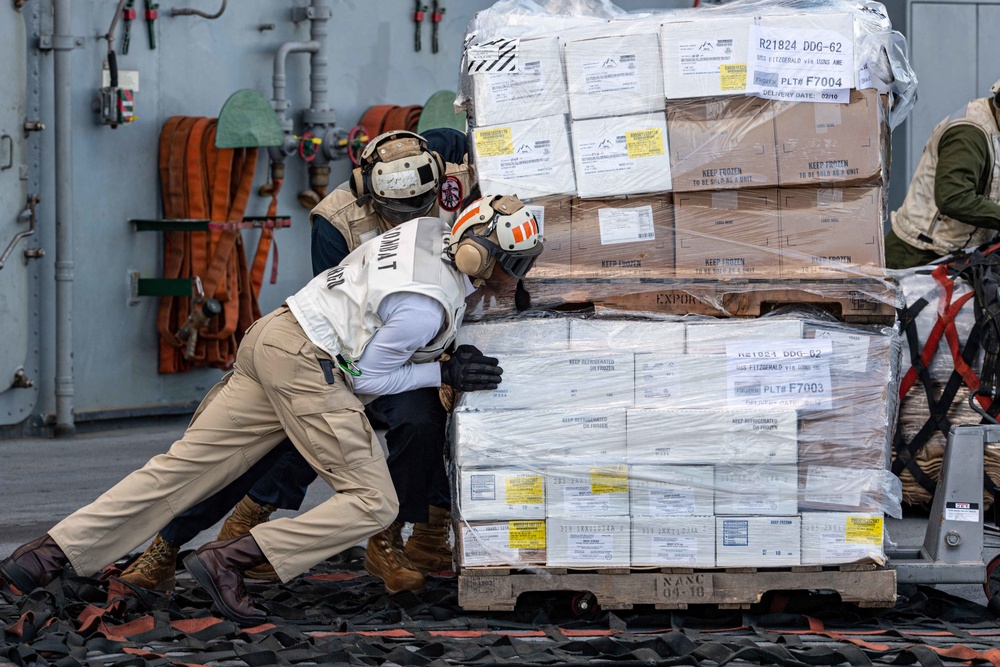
(526, 535)
(733, 76)
(644, 143)
(609, 479)
(494, 142)
(524, 490)
(862, 529)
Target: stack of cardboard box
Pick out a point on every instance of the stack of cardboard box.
(640, 148)
(615, 443)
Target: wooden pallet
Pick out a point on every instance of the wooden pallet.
(497, 589)
(862, 301)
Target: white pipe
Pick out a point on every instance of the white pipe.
(63, 43)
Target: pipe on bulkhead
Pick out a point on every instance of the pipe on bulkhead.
(63, 44)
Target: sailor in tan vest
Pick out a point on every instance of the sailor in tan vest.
(954, 198)
(401, 175)
(373, 325)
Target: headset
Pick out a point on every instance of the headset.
(508, 234)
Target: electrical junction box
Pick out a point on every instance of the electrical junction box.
(117, 106)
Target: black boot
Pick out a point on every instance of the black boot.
(218, 567)
(34, 565)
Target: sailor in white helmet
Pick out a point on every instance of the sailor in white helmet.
(372, 325)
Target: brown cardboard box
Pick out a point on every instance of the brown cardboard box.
(629, 237)
(553, 217)
(721, 143)
(727, 234)
(830, 143)
(830, 232)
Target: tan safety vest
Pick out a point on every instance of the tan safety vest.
(361, 223)
(918, 221)
(338, 309)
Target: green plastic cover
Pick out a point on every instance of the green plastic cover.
(247, 121)
(439, 111)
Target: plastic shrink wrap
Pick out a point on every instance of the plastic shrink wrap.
(677, 442)
(676, 155)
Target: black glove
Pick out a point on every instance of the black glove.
(468, 369)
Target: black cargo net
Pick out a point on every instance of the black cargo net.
(338, 615)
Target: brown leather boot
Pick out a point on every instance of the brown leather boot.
(34, 564)
(154, 570)
(386, 560)
(247, 514)
(219, 566)
(428, 548)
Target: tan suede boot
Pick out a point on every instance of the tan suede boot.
(386, 560)
(245, 516)
(154, 570)
(428, 547)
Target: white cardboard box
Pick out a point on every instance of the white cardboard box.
(622, 335)
(844, 489)
(614, 75)
(501, 543)
(529, 158)
(679, 542)
(522, 335)
(758, 490)
(622, 155)
(601, 379)
(589, 542)
(679, 380)
(489, 494)
(757, 541)
(537, 438)
(711, 337)
(671, 491)
(706, 57)
(587, 491)
(712, 437)
(537, 89)
(838, 538)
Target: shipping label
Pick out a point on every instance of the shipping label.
(485, 545)
(529, 158)
(644, 143)
(626, 225)
(527, 535)
(735, 533)
(605, 154)
(792, 374)
(705, 56)
(850, 351)
(495, 56)
(609, 479)
(733, 77)
(668, 501)
(674, 549)
(835, 549)
(590, 547)
(861, 529)
(483, 487)
(785, 62)
(834, 486)
(494, 142)
(611, 74)
(961, 512)
(525, 84)
(524, 490)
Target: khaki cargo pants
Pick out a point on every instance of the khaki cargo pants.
(277, 387)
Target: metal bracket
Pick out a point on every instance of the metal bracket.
(59, 42)
(300, 14)
(29, 214)
(8, 141)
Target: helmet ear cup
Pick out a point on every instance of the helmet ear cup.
(440, 166)
(357, 182)
(471, 258)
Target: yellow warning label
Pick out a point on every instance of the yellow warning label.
(733, 77)
(863, 530)
(609, 479)
(525, 490)
(526, 534)
(494, 142)
(644, 143)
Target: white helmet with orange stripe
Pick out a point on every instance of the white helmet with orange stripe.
(496, 229)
